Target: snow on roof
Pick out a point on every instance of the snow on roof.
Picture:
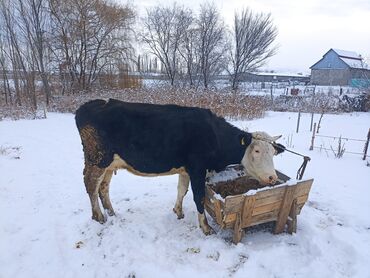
(353, 63)
(347, 54)
(351, 58)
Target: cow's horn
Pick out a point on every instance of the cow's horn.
(264, 136)
(274, 138)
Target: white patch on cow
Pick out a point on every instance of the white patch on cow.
(182, 189)
(119, 163)
(258, 158)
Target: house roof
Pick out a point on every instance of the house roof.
(350, 58)
(347, 54)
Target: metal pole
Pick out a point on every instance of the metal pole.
(313, 137)
(312, 114)
(366, 145)
(298, 120)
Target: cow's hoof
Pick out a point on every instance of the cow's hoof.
(180, 214)
(99, 218)
(208, 230)
(111, 212)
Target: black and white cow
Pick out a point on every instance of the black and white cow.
(153, 140)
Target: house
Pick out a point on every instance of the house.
(276, 77)
(340, 68)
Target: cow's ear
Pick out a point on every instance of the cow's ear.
(279, 148)
(245, 139)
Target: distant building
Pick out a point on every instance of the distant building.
(275, 77)
(340, 68)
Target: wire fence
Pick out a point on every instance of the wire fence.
(341, 150)
(342, 138)
(326, 149)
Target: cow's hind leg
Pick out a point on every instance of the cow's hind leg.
(93, 176)
(182, 189)
(198, 188)
(104, 192)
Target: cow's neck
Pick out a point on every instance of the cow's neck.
(231, 150)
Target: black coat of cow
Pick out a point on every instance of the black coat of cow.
(154, 139)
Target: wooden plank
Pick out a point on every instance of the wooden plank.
(233, 204)
(229, 220)
(285, 209)
(268, 192)
(266, 208)
(303, 188)
(218, 213)
(302, 199)
(238, 230)
(268, 200)
(292, 219)
(264, 218)
(209, 208)
(247, 210)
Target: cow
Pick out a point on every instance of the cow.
(155, 140)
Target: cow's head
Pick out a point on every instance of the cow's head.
(258, 157)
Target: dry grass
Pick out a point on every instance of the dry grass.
(222, 103)
(233, 106)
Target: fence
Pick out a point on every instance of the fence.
(366, 141)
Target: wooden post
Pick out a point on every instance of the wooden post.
(285, 209)
(218, 213)
(238, 230)
(366, 145)
(292, 219)
(248, 207)
(312, 114)
(298, 120)
(313, 137)
(319, 124)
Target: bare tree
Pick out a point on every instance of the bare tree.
(34, 18)
(252, 38)
(17, 53)
(189, 52)
(89, 37)
(212, 42)
(163, 29)
(4, 72)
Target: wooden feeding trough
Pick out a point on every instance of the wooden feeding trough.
(240, 202)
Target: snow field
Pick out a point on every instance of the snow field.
(46, 228)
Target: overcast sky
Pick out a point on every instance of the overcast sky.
(307, 28)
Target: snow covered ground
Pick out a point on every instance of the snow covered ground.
(46, 228)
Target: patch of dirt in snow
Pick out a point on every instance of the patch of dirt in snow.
(10, 152)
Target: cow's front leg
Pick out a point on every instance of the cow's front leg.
(182, 189)
(93, 176)
(197, 179)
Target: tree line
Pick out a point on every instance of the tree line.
(199, 46)
(55, 46)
